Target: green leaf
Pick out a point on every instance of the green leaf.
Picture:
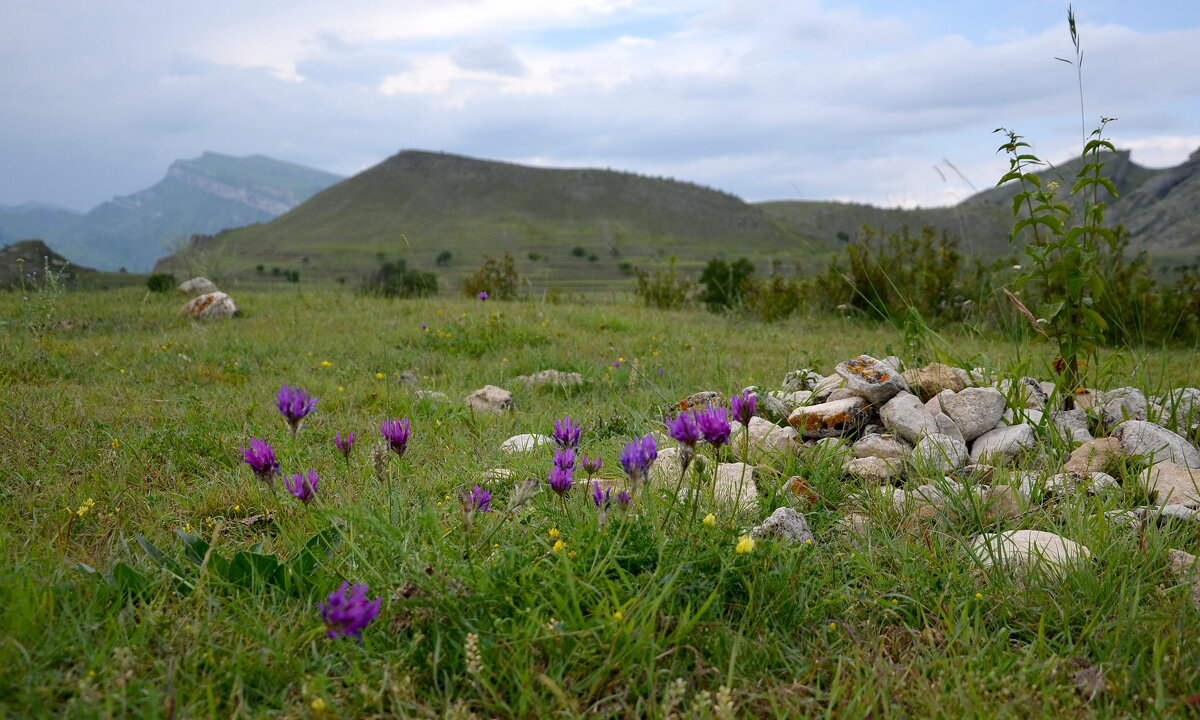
(129, 580)
(193, 547)
(248, 569)
(1049, 310)
(1095, 317)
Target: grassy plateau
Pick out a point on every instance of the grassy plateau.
(147, 572)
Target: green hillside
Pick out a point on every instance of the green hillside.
(572, 229)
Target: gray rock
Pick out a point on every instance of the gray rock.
(1156, 443)
(210, 306)
(932, 379)
(1002, 445)
(198, 285)
(974, 410)
(1028, 549)
(831, 419)
(490, 399)
(882, 446)
(1117, 406)
(872, 469)
(768, 406)
(1094, 455)
(1095, 482)
(1072, 425)
(785, 524)
(1186, 567)
(701, 400)
(431, 395)
(872, 379)
(803, 379)
(1178, 408)
(946, 426)
(1026, 393)
(1173, 484)
(766, 441)
(552, 378)
(841, 393)
(828, 384)
(1001, 502)
(934, 404)
(524, 443)
(939, 452)
(734, 489)
(906, 416)
(793, 399)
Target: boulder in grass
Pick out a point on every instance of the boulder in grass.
(904, 415)
(882, 446)
(210, 306)
(490, 399)
(873, 469)
(784, 524)
(766, 441)
(1028, 549)
(734, 488)
(1002, 445)
(941, 453)
(524, 443)
(830, 419)
(804, 379)
(1172, 484)
(872, 379)
(1186, 567)
(198, 286)
(974, 410)
(1094, 456)
(1116, 406)
(934, 378)
(551, 378)
(1156, 443)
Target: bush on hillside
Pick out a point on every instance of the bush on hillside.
(663, 289)
(395, 279)
(724, 283)
(497, 277)
(888, 274)
(774, 297)
(161, 282)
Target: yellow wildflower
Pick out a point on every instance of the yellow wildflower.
(710, 520)
(85, 507)
(559, 545)
(978, 596)
(318, 705)
(745, 545)
(341, 388)
(115, 443)
(326, 363)
(554, 533)
(571, 555)
(617, 615)
(379, 376)
(833, 626)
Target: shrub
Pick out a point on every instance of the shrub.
(724, 283)
(578, 251)
(443, 258)
(535, 256)
(663, 289)
(888, 275)
(161, 282)
(626, 268)
(774, 297)
(497, 277)
(395, 279)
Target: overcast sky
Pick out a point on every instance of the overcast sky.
(768, 99)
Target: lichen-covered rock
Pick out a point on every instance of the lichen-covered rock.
(906, 416)
(210, 306)
(784, 524)
(872, 379)
(830, 419)
(1172, 484)
(872, 469)
(490, 399)
(768, 406)
(198, 285)
(1156, 443)
(1028, 549)
(766, 441)
(932, 379)
(1094, 456)
(551, 378)
(882, 446)
(701, 400)
(1026, 393)
(1002, 445)
(941, 453)
(974, 410)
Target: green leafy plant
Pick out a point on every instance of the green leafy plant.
(724, 283)
(889, 273)
(663, 288)
(497, 277)
(161, 282)
(395, 279)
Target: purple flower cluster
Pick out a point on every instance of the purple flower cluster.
(303, 487)
(566, 433)
(483, 295)
(397, 433)
(562, 475)
(591, 466)
(347, 613)
(344, 444)
(479, 500)
(637, 457)
(294, 405)
(685, 429)
(601, 499)
(714, 425)
(260, 456)
(743, 405)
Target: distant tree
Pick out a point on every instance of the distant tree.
(724, 283)
(258, 269)
(578, 251)
(161, 282)
(443, 258)
(497, 277)
(395, 279)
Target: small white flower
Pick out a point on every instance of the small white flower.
(1016, 267)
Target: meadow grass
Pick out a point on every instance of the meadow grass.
(122, 419)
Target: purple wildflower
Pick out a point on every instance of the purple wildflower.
(561, 479)
(623, 499)
(294, 404)
(304, 488)
(347, 614)
(397, 433)
(591, 466)
(261, 458)
(714, 423)
(479, 500)
(616, 363)
(343, 444)
(564, 459)
(424, 326)
(602, 500)
(566, 433)
(483, 295)
(743, 405)
(685, 429)
(637, 457)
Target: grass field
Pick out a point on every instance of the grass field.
(122, 421)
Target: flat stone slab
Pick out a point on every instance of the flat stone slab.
(874, 380)
(1028, 549)
(830, 419)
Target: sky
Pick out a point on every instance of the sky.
(870, 101)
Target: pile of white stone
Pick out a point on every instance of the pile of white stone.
(208, 302)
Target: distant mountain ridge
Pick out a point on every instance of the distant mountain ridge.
(203, 195)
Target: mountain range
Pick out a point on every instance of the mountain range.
(203, 195)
